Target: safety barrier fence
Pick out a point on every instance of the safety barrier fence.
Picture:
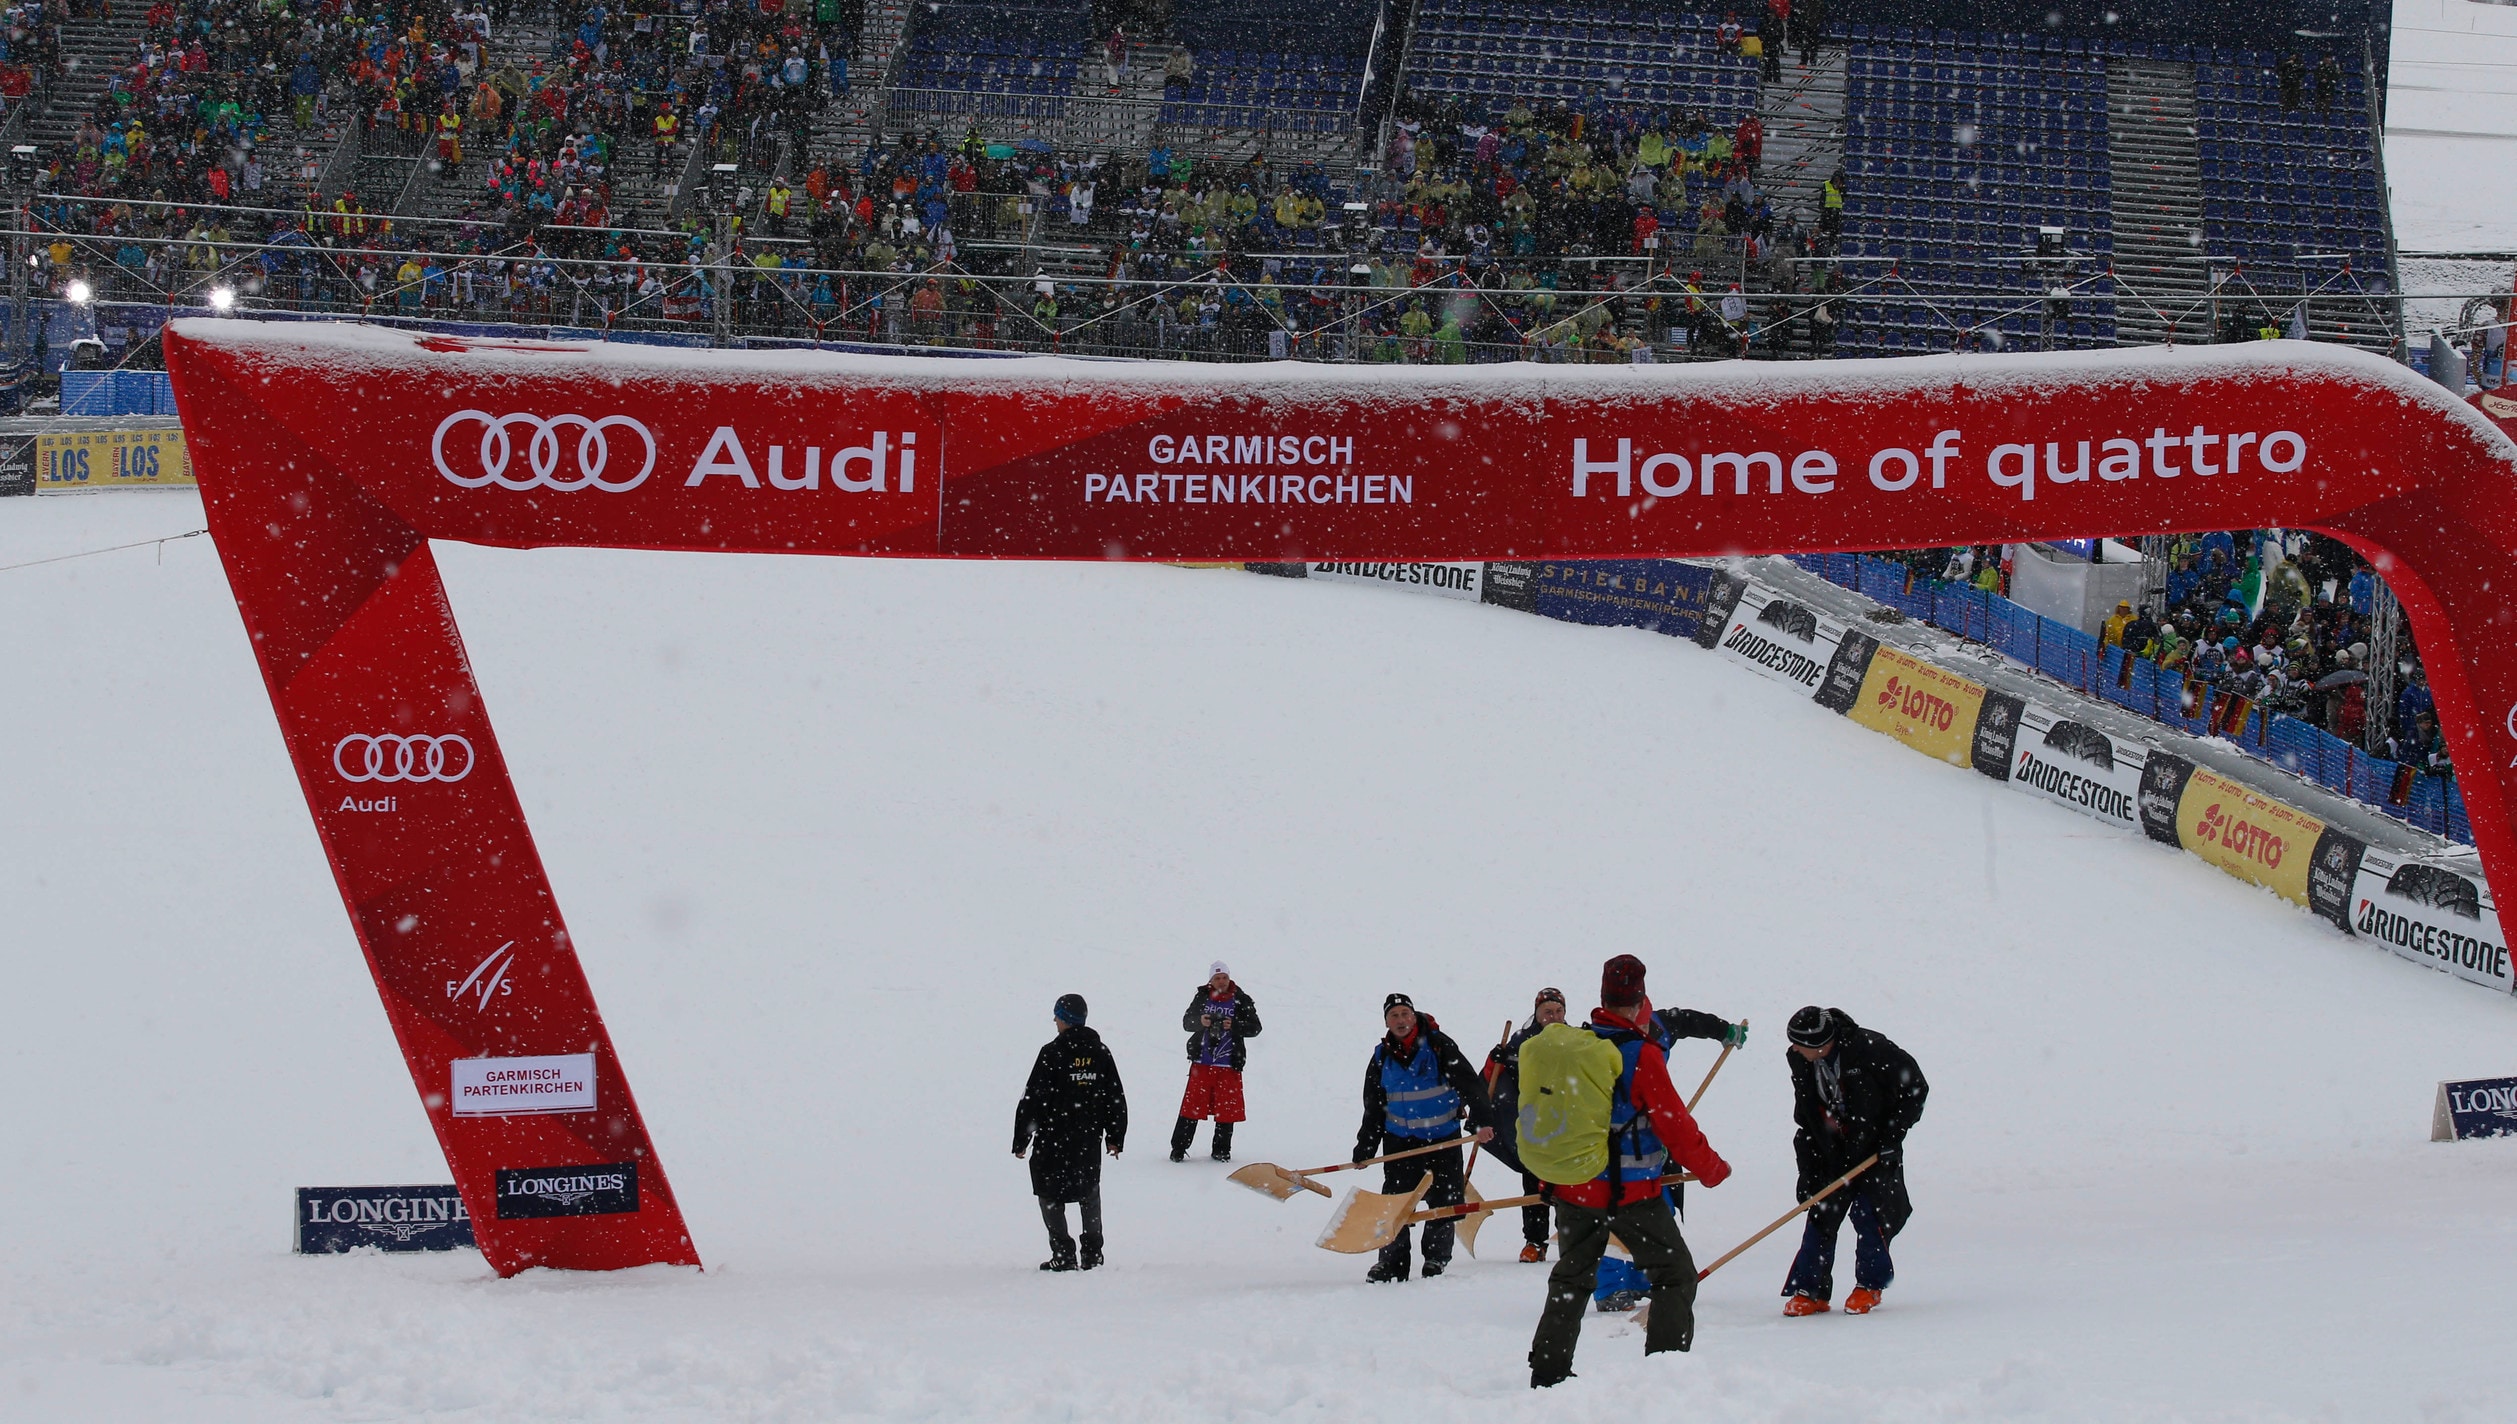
(2165, 695)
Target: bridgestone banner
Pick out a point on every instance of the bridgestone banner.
(1784, 640)
(332, 457)
(1462, 581)
(2430, 914)
(2076, 765)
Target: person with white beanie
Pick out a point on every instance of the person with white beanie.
(1221, 1018)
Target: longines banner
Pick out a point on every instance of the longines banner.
(332, 456)
(332, 1220)
(2477, 1107)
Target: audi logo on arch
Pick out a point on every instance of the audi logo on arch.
(386, 757)
(558, 452)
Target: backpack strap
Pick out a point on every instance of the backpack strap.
(1616, 1182)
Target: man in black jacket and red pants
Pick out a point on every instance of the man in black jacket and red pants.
(1853, 1093)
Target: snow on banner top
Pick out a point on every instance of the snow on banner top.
(1047, 458)
(343, 346)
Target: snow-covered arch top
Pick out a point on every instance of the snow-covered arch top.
(330, 455)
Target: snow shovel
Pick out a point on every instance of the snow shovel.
(1367, 1221)
(1642, 1313)
(1276, 1182)
(1781, 1221)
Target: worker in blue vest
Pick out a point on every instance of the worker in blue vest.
(1419, 1089)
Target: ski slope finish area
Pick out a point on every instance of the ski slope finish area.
(832, 834)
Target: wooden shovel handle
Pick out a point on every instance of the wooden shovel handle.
(1375, 1161)
(1832, 1187)
(1468, 1209)
(1709, 1072)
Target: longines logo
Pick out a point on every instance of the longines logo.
(596, 1189)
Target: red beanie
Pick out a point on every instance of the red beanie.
(1621, 982)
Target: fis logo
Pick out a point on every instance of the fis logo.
(488, 979)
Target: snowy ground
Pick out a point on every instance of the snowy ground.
(832, 835)
(2451, 126)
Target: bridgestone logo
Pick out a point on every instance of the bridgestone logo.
(1458, 580)
(2430, 942)
(2070, 786)
(1757, 650)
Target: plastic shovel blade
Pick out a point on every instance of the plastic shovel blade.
(1367, 1221)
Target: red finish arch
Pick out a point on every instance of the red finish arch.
(329, 456)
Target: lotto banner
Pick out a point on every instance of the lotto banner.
(2279, 847)
(110, 459)
(1927, 709)
(331, 456)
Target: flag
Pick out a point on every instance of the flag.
(2231, 721)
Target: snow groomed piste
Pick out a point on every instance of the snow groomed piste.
(2371, 877)
(330, 457)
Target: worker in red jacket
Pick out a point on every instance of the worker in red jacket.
(1648, 1126)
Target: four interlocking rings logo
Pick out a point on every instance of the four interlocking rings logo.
(359, 757)
(544, 451)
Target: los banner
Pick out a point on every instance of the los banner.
(110, 459)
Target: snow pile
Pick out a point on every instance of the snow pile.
(834, 833)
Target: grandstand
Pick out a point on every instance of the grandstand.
(1578, 180)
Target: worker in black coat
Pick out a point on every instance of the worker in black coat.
(1854, 1093)
(1417, 1090)
(1072, 1105)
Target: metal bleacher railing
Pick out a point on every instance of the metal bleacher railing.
(2168, 697)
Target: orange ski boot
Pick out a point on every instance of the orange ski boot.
(1861, 1302)
(1806, 1305)
(1533, 1255)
